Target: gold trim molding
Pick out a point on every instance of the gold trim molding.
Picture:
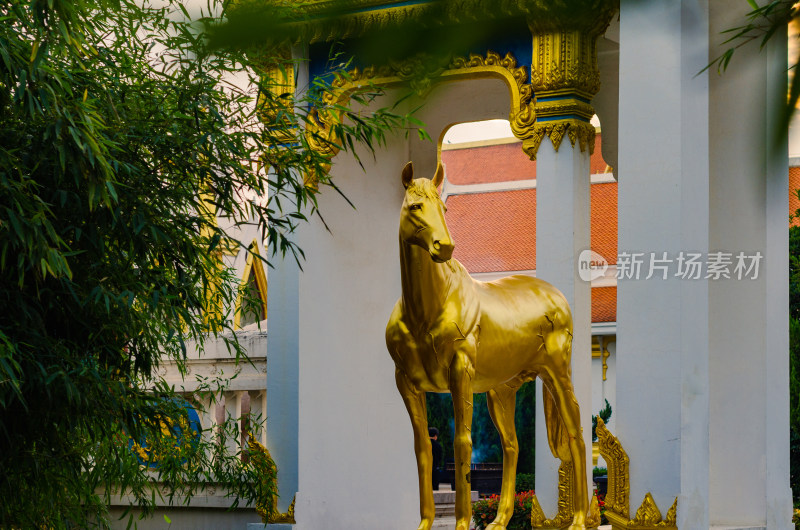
(600, 351)
(267, 507)
(565, 77)
(255, 266)
(422, 73)
(566, 503)
(648, 516)
(617, 463)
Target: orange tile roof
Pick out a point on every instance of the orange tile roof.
(597, 164)
(604, 304)
(491, 163)
(603, 221)
(794, 185)
(500, 163)
(496, 231)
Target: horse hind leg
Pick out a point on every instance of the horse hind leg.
(502, 402)
(562, 415)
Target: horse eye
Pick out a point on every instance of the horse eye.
(416, 206)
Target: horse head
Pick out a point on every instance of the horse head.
(422, 216)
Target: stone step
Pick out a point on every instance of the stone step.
(449, 497)
(443, 510)
(440, 523)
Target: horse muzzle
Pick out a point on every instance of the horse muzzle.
(442, 251)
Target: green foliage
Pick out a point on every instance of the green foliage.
(486, 444)
(794, 360)
(115, 122)
(525, 482)
(761, 24)
(440, 415)
(599, 471)
(605, 415)
(485, 510)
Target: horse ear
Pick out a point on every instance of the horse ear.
(408, 174)
(438, 177)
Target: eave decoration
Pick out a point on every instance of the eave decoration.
(564, 75)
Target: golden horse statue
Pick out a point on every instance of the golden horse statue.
(451, 333)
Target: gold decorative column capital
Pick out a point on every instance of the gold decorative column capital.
(564, 73)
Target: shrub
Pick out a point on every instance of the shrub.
(485, 510)
(525, 482)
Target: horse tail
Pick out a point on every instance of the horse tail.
(557, 435)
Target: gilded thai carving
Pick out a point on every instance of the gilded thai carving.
(450, 333)
(564, 73)
(566, 484)
(594, 518)
(648, 513)
(671, 520)
(617, 497)
(577, 131)
(566, 504)
(648, 516)
(267, 507)
(422, 73)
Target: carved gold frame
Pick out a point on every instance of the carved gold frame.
(255, 266)
(648, 516)
(422, 73)
(566, 504)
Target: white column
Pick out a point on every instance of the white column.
(694, 331)
(281, 402)
(778, 492)
(258, 409)
(662, 196)
(562, 232)
(749, 393)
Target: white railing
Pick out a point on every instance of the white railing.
(222, 390)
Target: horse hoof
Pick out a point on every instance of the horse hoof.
(462, 525)
(496, 526)
(425, 525)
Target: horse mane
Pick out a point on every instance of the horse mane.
(421, 188)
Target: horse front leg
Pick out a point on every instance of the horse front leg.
(462, 371)
(417, 411)
(502, 404)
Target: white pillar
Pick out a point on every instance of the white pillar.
(778, 492)
(749, 394)
(662, 374)
(562, 232)
(281, 402)
(702, 384)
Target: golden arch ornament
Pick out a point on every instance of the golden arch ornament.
(422, 73)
